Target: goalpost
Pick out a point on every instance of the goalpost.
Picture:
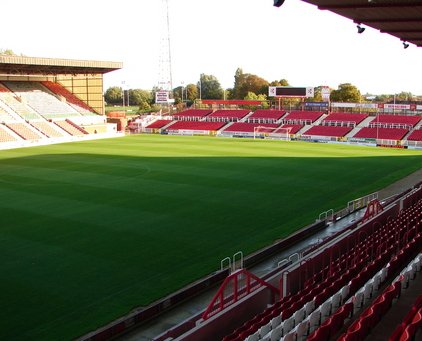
(277, 133)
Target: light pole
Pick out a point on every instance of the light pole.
(394, 104)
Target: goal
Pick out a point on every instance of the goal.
(276, 133)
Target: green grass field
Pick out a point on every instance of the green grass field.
(90, 230)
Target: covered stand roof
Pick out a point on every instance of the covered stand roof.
(18, 65)
(399, 18)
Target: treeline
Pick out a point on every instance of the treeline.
(246, 86)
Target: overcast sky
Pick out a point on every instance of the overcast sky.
(297, 41)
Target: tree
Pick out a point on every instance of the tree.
(246, 82)
(7, 52)
(254, 97)
(113, 95)
(317, 95)
(281, 82)
(192, 92)
(138, 96)
(346, 92)
(210, 87)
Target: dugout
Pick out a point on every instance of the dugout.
(83, 78)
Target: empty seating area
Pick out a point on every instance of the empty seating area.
(302, 117)
(47, 129)
(228, 115)
(331, 292)
(381, 133)
(74, 101)
(415, 135)
(5, 116)
(246, 127)
(70, 128)
(336, 118)
(410, 323)
(328, 131)
(158, 124)
(6, 136)
(266, 116)
(44, 103)
(294, 128)
(192, 113)
(15, 104)
(393, 121)
(196, 125)
(24, 131)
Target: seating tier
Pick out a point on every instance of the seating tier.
(311, 116)
(381, 133)
(328, 131)
(196, 125)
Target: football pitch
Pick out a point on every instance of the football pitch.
(91, 230)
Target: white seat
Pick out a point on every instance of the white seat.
(265, 329)
(377, 282)
(367, 291)
(288, 325)
(289, 337)
(253, 337)
(384, 273)
(345, 292)
(335, 300)
(299, 316)
(358, 301)
(276, 333)
(276, 321)
(309, 307)
(325, 310)
(314, 320)
(302, 330)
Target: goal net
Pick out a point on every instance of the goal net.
(278, 133)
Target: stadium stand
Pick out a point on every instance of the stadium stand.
(46, 128)
(330, 131)
(5, 136)
(74, 101)
(192, 114)
(339, 283)
(15, 104)
(411, 321)
(415, 135)
(228, 115)
(336, 118)
(266, 116)
(381, 133)
(158, 124)
(23, 130)
(70, 127)
(247, 127)
(302, 117)
(43, 102)
(5, 116)
(395, 121)
(196, 125)
(294, 128)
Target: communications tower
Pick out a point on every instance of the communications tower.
(165, 81)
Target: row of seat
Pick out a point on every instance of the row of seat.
(410, 323)
(355, 266)
(74, 101)
(407, 120)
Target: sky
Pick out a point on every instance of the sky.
(296, 41)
